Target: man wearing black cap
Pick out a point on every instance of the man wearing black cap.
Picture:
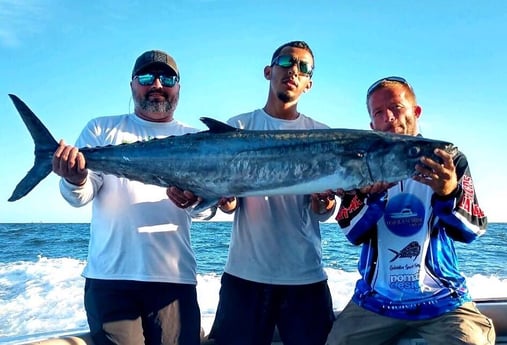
(141, 271)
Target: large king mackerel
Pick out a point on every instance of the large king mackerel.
(226, 161)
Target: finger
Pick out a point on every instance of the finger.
(189, 195)
(330, 194)
(447, 159)
(71, 160)
(59, 149)
(60, 162)
(422, 170)
(81, 162)
(430, 164)
(365, 190)
(223, 201)
(174, 194)
(423, 180)
(178, 203)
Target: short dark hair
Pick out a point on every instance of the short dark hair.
(295, 44)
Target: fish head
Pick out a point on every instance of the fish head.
(394, 156)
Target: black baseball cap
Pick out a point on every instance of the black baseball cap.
(155, 58)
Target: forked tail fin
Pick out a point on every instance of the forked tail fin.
(45, 146)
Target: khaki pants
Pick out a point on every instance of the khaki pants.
(465, 325)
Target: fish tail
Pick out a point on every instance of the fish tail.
(396, 256)
(45, 146)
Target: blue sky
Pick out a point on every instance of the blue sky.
(71, 61)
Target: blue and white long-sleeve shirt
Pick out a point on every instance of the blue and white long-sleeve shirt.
(408, 264)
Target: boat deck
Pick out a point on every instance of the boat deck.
(495, 308)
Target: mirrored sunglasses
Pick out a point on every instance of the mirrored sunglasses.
(287, 61)
(149, 78)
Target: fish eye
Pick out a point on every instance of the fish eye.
(414, 151)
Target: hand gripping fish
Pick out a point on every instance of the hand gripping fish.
(225, 161)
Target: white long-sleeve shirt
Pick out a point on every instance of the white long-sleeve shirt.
(136, 232)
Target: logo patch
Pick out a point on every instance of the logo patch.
(404, 214)
(413, 249)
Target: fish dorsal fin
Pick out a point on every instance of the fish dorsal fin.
(216, 126)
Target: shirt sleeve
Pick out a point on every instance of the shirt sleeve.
(359, 213)
(461, 214)
(78, 196)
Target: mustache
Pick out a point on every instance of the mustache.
(290, 80)
(158, 92)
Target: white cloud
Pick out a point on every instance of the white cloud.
(20, 18)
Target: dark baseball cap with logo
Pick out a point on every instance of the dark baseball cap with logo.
(155, 59)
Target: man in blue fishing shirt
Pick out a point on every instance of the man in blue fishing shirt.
(409, 271)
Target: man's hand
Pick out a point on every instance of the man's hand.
(70, 164)
(228, 204)
(323, 202)
(441, 178)
(182, 198)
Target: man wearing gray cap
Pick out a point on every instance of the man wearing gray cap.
(141, 271)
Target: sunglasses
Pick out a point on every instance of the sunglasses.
(287, 61)
(376, 84)
(148, 79)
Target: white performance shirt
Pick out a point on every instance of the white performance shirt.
(276, 239)
(136, 232)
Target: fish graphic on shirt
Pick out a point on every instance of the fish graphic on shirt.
(413, 249)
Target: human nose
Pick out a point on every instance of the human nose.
(389, 116)
(294, 69)
(157, 83)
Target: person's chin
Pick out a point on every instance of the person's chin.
(286, 96)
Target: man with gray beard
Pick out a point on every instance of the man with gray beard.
(141, 271)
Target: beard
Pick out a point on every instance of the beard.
(144, 103)
(155, 106)
(285, 97)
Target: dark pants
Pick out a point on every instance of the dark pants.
(248, 312)
(133, 313)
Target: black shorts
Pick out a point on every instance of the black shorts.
(132, 312)
(248, 312)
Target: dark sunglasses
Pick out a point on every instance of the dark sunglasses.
(148, 79)
(287, 61)
(380, 81)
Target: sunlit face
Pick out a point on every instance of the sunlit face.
(288, 83)
(155, 102)
(392, 110)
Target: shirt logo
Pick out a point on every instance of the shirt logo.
(413, 249)
(404, 214)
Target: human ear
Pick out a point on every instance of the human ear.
(417, 111)
(267, 72)
(308, 86)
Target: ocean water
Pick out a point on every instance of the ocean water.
(41, 288)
